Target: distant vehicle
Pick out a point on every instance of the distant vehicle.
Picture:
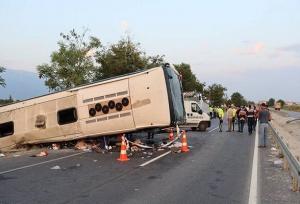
(147, 99)
(196, 112)
(278, 106)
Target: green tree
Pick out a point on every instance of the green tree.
(216, 93)
(124, 57)
(238, 99)
(73, 63)
(2, 81)
(282, 102)
(189, 79)
(271, 102)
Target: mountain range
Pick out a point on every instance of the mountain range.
(22, 85)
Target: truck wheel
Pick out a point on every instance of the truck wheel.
(202, 126)
(194, 128)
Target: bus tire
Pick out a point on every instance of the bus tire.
(202, 127)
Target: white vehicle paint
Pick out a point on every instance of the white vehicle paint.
(196, 113)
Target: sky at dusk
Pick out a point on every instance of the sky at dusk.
(248, 46)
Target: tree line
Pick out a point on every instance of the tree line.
(82, 59)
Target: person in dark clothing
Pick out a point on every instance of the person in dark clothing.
(243, 116)
(255, 118)
(250, 118)
(238, 118)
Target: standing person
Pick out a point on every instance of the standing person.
(220, 113)
(243, 116)
(255, 118)
(264, 117)
(238, 118)
(210, 111)
(250, 118)
(233, 118)
(229, 118)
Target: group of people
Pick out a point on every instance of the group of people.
(242, 115)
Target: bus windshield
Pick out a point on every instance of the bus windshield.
(175, 96)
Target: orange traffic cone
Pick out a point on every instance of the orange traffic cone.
(171, 135)
(123, 153)
(184, 147)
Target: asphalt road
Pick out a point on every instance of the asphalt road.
(216, 170)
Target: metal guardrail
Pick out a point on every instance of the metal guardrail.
(293, 163)
(289, 121)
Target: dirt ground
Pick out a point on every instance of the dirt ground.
(290, 131)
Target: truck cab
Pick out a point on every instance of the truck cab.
(196, 115)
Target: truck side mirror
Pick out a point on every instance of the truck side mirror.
(200, 112)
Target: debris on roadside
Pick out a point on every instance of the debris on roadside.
(273, 149)
(55, 146)
(55, 167)
(278, 163)
(135, 149)
(175, 149)
(2, 155)
(16, 155)
(81, 145)
(41, 154)
(176, 144)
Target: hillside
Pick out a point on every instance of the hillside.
(22, 85)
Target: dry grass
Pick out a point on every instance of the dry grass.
(292, 108)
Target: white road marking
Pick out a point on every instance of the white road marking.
(213, 129)
(253, 184)
(40, 163)
(154, 159)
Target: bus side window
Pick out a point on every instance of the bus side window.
(6, 129)
(67, 116)
(194, 107)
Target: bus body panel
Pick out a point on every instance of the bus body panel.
(67, 115)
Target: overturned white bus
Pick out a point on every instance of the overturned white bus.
(143, 100)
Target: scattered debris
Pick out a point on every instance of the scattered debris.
(81, 145)
(2, 155)
(41, 154)
(135, 149)
(55, 146)
(95, 160)
(273, 149)
(176, 144)
(278, 162)
(16, 155)
(55, 167)
(175, 149)
(78, 165)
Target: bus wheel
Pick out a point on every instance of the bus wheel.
(202, 126)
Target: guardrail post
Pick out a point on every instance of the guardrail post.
(295, 186)
(285, 164)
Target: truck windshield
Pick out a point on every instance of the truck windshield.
(175, 96)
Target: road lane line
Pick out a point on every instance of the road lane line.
(154, 159)
(40, 163)
(253, 184)
(213, 129)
